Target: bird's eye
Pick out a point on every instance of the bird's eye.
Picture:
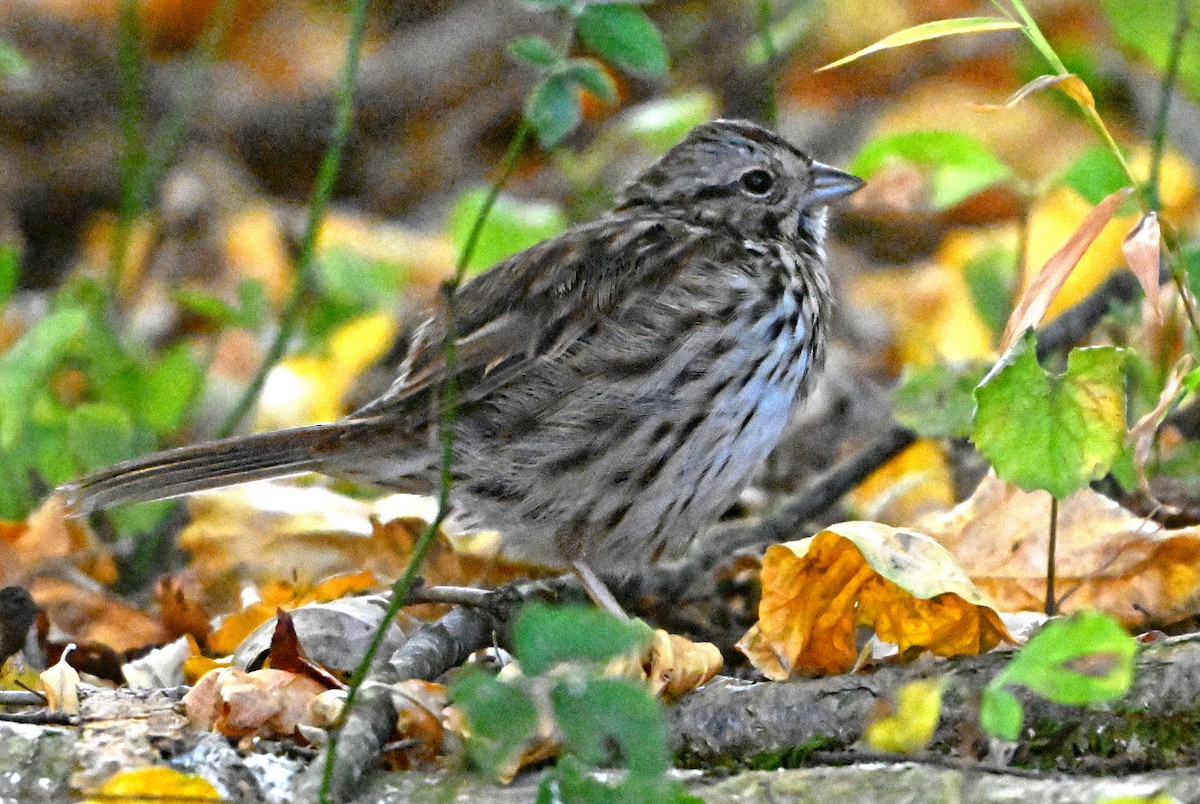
(758, 182)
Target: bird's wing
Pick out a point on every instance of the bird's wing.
(536, 306)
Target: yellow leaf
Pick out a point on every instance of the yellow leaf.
(149, 785)
(915, 482)
(906, 725)
(927, 31)
(818, 591)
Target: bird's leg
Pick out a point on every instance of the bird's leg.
(597, 591)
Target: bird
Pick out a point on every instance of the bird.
(616, 385)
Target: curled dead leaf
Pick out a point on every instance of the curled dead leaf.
(1037, 297)
(818, 591)
(1142, 248)
(264, 703)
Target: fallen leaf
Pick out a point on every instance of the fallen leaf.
(162, 667)
(1107, 558)
(672, 665)
(818, 591)
(905, 722)
(264, 703)
(151, 785)
(60, 684)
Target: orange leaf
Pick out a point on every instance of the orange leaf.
(1046, 285)
(818, 591)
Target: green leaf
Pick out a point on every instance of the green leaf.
(98, 435)
(553, 109)
(589, 75)
(534, 50)
(990, 278)
(10, 271)
(1095, 175)
(624, 35)
(661, 123)
(1049, 432)
(172, 388)
(1081, 660)
(501, 716)
(613, 711)
(11, 60)
(957, 164)
(543, 636)
(512, 225)
(938, 401)
(350, 277)
(26, 367)
(1001, 714)
(927, 31)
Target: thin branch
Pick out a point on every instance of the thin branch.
(1052, 549)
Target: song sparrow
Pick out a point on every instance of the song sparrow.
(617, 384)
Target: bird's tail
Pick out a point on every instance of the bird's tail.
(218, 463)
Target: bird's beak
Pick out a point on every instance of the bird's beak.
(830, 184)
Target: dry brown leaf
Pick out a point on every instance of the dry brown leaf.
(671, 665)
(420, 708)
(264, 703)
(1071, 84)
(1037, 297)
(1142, 248)
(1142, 433)
(95, 616)
(1106, 558)
(818, 591)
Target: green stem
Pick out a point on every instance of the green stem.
(1170, 78)
(133, 143)
(1051, 601)
(322, 192)
(1032, 32)
(449, 414)
(771, 103)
